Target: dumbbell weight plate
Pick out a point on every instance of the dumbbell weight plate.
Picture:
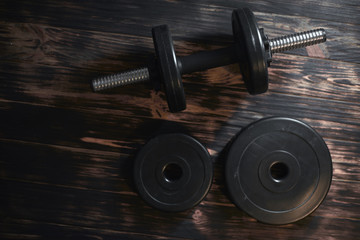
(278, 170)
(250, 51)
(173, 172)
(168, 69)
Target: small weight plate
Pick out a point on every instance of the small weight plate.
(168, 68)
(278, 170)
(250, 51)
(173, 172)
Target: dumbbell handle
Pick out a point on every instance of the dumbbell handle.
(221, 57)
(211, 59)
(208, 59)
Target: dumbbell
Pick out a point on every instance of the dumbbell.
(252, 50)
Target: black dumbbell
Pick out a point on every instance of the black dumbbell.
(252, 50)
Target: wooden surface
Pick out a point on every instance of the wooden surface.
(66, 153)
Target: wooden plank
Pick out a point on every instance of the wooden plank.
(34, 203)
(68, 48)
(94, 50)
(29, 229)
(97, 170)
(113, 14)
(67, 166)
(332, 11)
(101, 129)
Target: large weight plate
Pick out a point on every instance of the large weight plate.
(250, 51)
(169, 71)
(173, 172)
(278, 170)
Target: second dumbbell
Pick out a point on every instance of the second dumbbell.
(252, 50)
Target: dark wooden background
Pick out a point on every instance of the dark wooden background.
(66, 153)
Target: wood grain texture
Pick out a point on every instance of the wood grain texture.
(66, 153)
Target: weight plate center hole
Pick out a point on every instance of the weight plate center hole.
(279, 171)
(172, 172)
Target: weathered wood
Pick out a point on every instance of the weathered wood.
(111, 129)
(55, 45)
(126, 14)
(89, 209)
(66, 153)
(94, 169)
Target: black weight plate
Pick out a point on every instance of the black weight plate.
(173, 172)
(168, 68)
(250, 51)
(278, 170)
